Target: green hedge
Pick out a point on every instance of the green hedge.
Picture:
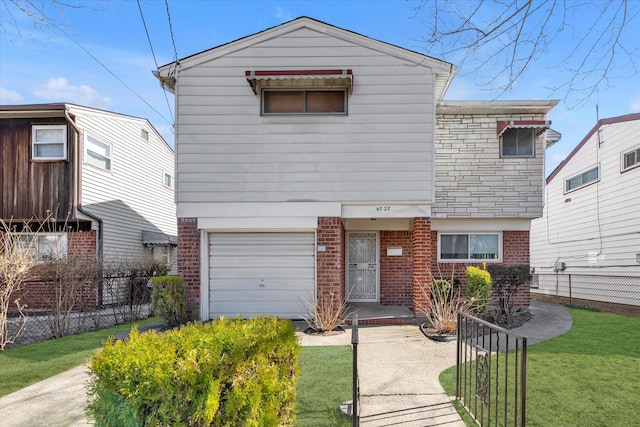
(229, 372)
(169, 299)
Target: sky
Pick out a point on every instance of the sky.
(101, 54)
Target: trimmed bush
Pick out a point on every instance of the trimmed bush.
(225, 373)
(169, 299)
(478, 291)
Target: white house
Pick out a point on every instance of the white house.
(315, 162)
(587, 244)
(106, 180)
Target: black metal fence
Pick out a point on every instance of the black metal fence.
(491, 373)
(355, 410)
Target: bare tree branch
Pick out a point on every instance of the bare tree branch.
(499, 41)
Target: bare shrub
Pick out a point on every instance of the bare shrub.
(327, 313)
(16, 263)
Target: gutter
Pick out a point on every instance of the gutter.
(77, 184)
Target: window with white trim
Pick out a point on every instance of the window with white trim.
(631, 159)
(518, 142)
(41, 245)
(97, 153)
(168, 180)
(582, 179)
(49, 142)
(469, 247)
(304, 101)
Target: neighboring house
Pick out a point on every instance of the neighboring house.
(314, 162)
(104, 181)
(587, 244)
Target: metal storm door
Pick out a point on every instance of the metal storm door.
(362, 266)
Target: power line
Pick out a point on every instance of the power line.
(175, 51)
(49, 20)
(153, 53)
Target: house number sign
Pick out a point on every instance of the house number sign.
(383, 208)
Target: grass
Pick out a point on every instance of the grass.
(28, 364)
(587, 377)
(324, 383)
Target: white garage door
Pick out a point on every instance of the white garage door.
(261, 273)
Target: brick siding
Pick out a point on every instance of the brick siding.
(189, 263)
(331, 262)
(422, 252)
(396, 272)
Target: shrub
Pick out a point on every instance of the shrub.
(227, 372)
(169, 300)
(326, 314)
(444, 302)
(507, 280)
(478, 291)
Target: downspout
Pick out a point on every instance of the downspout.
(77, 184)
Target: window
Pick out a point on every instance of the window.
(42, 245)
(49, 142)
(304, 102)
(631, 159)
(469, 247)
(98, 153)
(145, 135)
(518, 142)
(168, 180)
(582, 179)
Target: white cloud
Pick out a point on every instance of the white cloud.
(283, 14)
(59, 90)
(9, 96)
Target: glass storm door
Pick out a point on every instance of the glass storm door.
(362, 266)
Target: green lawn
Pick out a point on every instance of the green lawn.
(25, 365)
(587, 377)
(324, 383)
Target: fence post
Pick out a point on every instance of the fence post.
(355, 412)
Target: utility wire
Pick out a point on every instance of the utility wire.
(49, 20)
(175, 51)
(153, 53)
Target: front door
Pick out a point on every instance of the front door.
(362, 266)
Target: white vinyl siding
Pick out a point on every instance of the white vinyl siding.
(381, 150)
(49, 142)
(593, 231)
(132, 198)
(261, 273)
(97, 153)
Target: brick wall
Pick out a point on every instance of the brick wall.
(422, 250)
(396, 272)
(38, 295)
(330, 263)
(189, 263)
(515, 250)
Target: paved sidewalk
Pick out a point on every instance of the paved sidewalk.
(398, 368)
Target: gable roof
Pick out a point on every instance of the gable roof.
(444, 71)
(601, 123)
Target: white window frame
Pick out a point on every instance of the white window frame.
(172, 180)
(35, 240)
(581, 175)
(635, 164)
(305, 90)
(469, 259)
(35, 143)
(87, 158)
(517, 131)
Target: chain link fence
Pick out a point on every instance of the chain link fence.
(615, 294)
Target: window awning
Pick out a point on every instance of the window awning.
(539, 125)
(259, 79)
(158, 238)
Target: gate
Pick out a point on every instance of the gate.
(491, 372)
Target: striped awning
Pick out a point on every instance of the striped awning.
(259, 79)
(539, 125)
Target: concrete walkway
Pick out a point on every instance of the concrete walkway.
(398, 368)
